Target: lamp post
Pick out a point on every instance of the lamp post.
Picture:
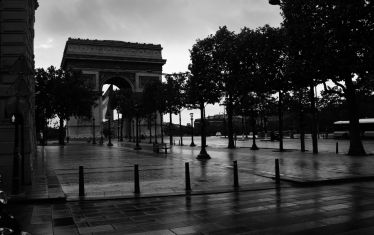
(93, 131)
(203, 155)
(121, 129)
(137, 147)
(133, 131)
(15, 176)
(118, 138)
(192, 143)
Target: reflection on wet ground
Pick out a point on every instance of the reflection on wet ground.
(109, 170)
(332, 209)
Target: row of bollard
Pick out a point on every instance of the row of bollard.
(187, 178)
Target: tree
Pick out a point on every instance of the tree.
(153, 100)
(262, 63)
(250, 104)
(202, 86)
(123, 100)
(43, 102)
(297, 101)
(333, 41)
(271, 58)
(68, 95)
(173, 91)
(226, 63)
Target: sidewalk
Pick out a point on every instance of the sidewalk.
(109, 170)
(340, 209)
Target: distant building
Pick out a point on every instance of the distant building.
(16, 92)
(218, 123)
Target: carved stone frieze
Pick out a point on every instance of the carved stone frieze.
(113, 51)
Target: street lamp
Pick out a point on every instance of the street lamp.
(133, 130)
(254, 97)
(137, 147)
(192, 143)
(93, 131)
(118, 138)
(121, 130)
(16, 154)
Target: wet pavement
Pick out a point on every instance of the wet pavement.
(109, 171)
(316, 194)
(332, 209)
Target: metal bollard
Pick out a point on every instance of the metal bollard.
(236, 178)
(136, 179)
(277, 174)
(337, 148)
(81, 181)
(187, 176)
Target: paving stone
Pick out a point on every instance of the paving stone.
(157, 232)
(63, 221)
(96, 229)
(330, 209)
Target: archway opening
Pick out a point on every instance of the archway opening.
(116, 92)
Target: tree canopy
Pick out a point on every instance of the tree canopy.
(67, 95)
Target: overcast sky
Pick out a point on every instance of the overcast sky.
(175, 24)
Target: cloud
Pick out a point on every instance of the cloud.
(45, 45)
(175, 24)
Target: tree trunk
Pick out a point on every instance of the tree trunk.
(355, 144)
(45, 133)
(129, 122)
(229, 109)
(170, 129)
(280, 116)
(302, 132)
(180, 128)
(314, 119)
(246, 126)
(61, 133)
(203, 155)
(121, 132)
(224, 126)
(156, 128)
(254, 146)
(150, 128)
(265, 125)
(161, 127)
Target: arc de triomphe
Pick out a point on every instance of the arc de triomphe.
(124, 64)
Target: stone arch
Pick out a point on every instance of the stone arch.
(123, 64)
(120, 81)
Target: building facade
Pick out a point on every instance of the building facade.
(17, 129)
